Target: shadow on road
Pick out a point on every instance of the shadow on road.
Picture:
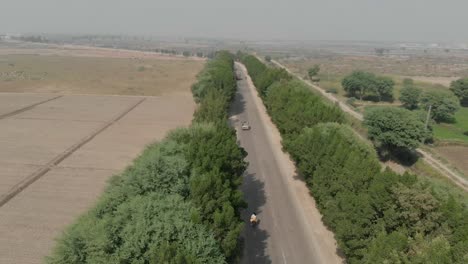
(254, 237)
(238, 105)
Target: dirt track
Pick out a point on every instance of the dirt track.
(56, 154)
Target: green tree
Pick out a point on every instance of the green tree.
(460, 89)
(213, 107)
(293, 107)
(135, 231)
(313, 71)
(358, 83)
(384, 88)
(361, 84)
(268, 77)
(387, 248)
(417, 209)
(443, 105)
(430, 251)
(268, 58)
(394, 127)
(409, 96)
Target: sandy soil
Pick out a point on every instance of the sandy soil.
(56, 157)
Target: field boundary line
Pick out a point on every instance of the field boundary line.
(19, 187)
(87, 94)
(29, 107)
(427, 157)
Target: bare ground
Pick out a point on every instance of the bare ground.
(85, 51)
(80, 141)
(111, 75)
(458, 155)
(445, 81)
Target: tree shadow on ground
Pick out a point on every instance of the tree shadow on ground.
(402, 156)
(254, 238)
(238, 103)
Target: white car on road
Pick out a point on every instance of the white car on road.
(245, 126)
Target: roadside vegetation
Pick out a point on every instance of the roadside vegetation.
(377, 216)
(415, 87)
(180, 200)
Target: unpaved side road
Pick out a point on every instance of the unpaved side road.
(290, 229)
(427, 157)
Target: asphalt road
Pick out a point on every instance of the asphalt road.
(290, 229)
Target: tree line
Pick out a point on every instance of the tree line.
(367, 85)
(443, 103)
(377, 216)
(179, 201)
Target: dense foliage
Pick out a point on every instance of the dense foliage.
(460, 89)
(143, 213)
(179, 202)
(395, 127)
(262, 76)
(293, 106)
(218, 75)
(290, 103)
(409, 96)
(362, 84)
(377, 216)
(443, 105)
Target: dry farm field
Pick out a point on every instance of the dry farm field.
(59, 147)
(41, 71)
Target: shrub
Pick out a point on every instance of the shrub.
(332, 90)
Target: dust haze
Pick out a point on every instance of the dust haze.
(375, 20)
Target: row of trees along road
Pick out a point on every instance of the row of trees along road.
(377, 216)
(179, 202)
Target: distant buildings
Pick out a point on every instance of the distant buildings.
(5, 37)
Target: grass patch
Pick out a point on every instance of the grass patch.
(454, 131)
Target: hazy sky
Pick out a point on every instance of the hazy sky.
(400, 20)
